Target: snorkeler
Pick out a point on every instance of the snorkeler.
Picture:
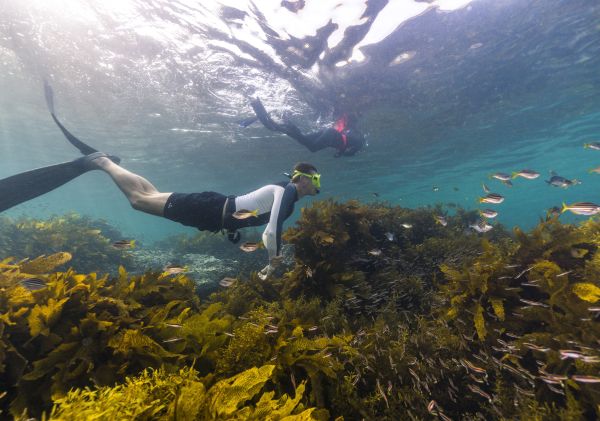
(342, 137)
(207, 211)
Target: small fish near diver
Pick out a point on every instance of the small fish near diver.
(592, 145)
(244, 214)
(581, 208)
(558, 181)
(494, 198)
(124, 244)
(488, 213)
(481, 226)
(528, 174)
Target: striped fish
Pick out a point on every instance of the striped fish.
(593, 145)
(492, 198)
(488, 213)
(581, 208)
(528, 174)
(33, 284)
(502, 176)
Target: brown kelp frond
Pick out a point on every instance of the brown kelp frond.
(385, 313)
(157, 394)
(87, 240)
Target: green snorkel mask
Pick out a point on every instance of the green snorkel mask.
(315, 178)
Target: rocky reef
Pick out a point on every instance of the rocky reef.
(383, 313)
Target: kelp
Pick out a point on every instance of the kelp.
(84, 329)
(87, 240)
(156, 394)
(372, 320)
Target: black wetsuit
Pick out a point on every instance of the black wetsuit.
(212, 211)
(347, 141)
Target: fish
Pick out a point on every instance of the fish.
(485, 188)
(375, 194)
(585, 379)
(533, 303)
(470, 366)
(124, 244)
(249, 247)
(528, 174)
(488, 213)
(174, 270)
(407, 226)
(313, 328)
(375, 252)
(595, 170)
(592, 145)
(476, 389)
(564, 273)
(569, 353)
(431, 406)
(172, 340)
(33, 284)
(578, 253)
(435, 188)
(581, 208)
(558, 181)
(440, 220)
(455, 188)
(389, 236)
(229, 334)
(175, 325)
(492, 198)
(502, 176)
(481, 226)
(245, 214)
(227, 282)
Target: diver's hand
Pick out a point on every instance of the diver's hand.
(266, 272)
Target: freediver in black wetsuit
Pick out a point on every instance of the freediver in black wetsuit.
(342, 137)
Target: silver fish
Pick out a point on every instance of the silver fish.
(492, 198)
(581, 208)
(528, 174)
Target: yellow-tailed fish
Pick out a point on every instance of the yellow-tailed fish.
(494, 198)
(244, 214)
(581, 208)
(528, 174)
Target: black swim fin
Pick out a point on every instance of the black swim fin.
(25, 186)
(247, 121)
(84, 148)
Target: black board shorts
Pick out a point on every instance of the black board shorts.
(201, 210)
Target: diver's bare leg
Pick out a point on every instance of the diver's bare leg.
(142, 194)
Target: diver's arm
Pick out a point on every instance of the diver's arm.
(272, 234)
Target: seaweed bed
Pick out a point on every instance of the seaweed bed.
(369, 320)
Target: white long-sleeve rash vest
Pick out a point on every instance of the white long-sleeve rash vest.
(274, 204)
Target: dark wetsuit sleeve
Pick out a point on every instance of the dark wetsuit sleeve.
(283, 206)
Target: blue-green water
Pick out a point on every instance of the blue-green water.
(446, 97)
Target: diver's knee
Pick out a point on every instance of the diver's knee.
(138, 201)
